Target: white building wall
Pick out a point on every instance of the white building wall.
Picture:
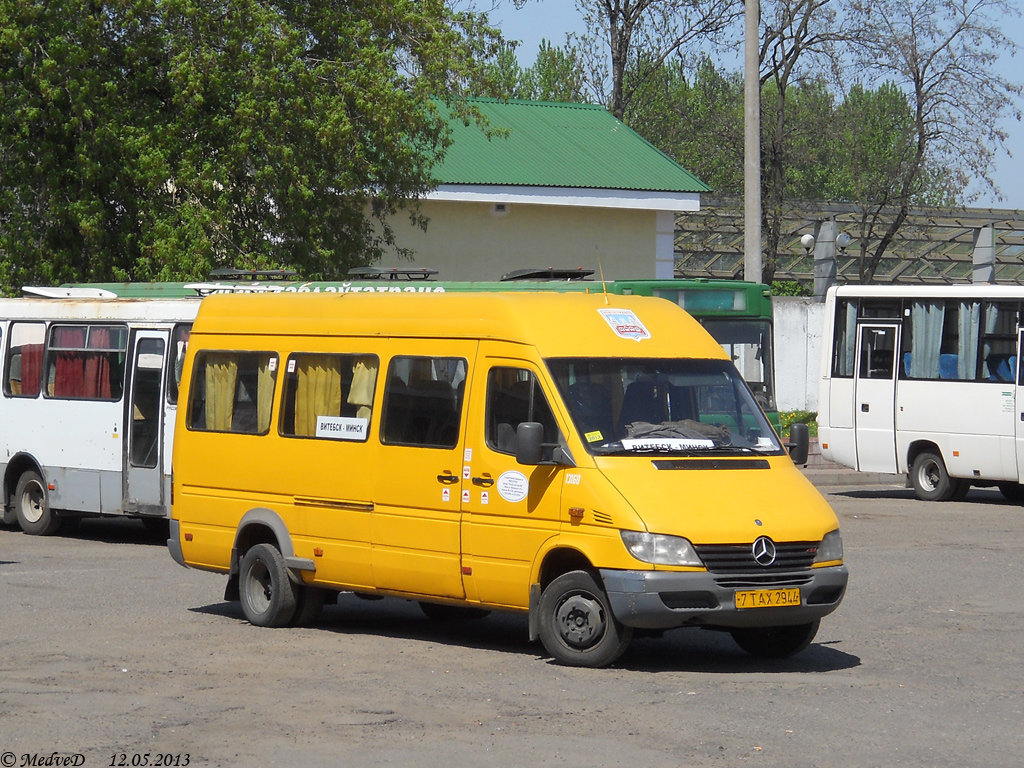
(797, 352)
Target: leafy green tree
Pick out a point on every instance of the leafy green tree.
(156, 139)
(556, 75)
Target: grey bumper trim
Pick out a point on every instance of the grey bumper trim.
(663, 600)
(174, 543)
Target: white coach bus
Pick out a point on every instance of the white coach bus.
(925, 380)
(89, 393)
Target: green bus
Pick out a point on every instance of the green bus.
(738, 314)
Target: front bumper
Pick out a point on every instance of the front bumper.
(663, 600)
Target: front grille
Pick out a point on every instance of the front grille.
(739, 558)
(764, 581)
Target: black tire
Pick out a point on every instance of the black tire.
(1012, 491)
(438, 612)
(32, 506)
(576, 623)
(308, 605)
(775, 642)
(930, 479)
(267, 594)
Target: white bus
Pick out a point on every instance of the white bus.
(87, 403)
(925, 380)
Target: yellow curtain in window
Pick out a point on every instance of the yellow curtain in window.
(264, 396)
(221, 376)
(364, 379)
(317, 391)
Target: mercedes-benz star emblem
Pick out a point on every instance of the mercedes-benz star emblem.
(764, 551)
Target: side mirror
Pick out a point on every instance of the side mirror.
(529, 443)
(799, 444)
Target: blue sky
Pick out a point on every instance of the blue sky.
(552, 19)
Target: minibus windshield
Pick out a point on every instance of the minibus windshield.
(667, 406)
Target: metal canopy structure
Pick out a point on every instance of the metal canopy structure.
(934, 246)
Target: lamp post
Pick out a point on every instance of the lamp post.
(751, 143)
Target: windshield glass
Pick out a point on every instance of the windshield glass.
(667, 406)
(748, 343)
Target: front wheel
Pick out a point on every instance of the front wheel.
(576, 624)
(267, 594)
(32, 506)
(930, 479)
(775, 642)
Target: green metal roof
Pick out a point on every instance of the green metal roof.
(558, 145)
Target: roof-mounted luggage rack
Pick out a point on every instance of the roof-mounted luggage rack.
(233, 273)
(393, 273)
(551, 273)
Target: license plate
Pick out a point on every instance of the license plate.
(767, 598)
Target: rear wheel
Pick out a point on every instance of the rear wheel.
(267, 594)
(32, 506)
(1011, 491)
(930, 479)
(576, 623)
(775, 642)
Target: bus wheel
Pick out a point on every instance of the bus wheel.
(576, 622)
(309, 603)
(775, 642)
(1011, 491)
(930, 480)
(267, 594)
(438, 612)
(32, 506)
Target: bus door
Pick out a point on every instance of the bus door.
(1018, 399)
(144, 457)
(875, 397)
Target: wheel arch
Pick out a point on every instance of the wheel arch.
(261, 526)
(917, 447)
(16, 467)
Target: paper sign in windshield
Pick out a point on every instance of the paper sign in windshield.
(341, 428)
(667, 444)
(625, 323)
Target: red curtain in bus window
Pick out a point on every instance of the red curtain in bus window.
(97, 366)
(69, 367)
(31, 368)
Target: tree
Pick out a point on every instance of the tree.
(155, 139)
(940, 53)
(794, 32)
(556, 74)
(656, 29)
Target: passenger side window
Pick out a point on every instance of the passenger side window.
(86, 362)
(176, 360)
(423, 401)
(514, 396)
(232, 392)
(329, 396)
(24, 363)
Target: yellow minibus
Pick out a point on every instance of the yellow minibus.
(593, 461)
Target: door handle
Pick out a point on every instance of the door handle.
(447, 478)
(865, 407)
(485, 482)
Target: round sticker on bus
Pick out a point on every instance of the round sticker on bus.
(513, 486)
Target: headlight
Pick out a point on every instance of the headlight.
(659, 549)
(831, 548)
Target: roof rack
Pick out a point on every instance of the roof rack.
(233, 273)
(551, 273)
(394, 273)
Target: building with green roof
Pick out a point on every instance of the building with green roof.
(559, 185)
